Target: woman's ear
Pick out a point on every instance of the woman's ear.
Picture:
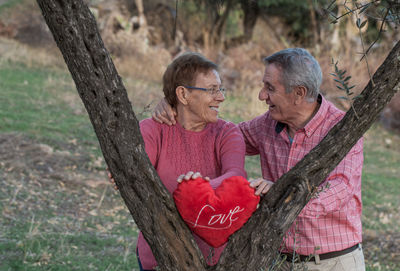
(181, 94)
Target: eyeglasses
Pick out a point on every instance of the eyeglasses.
(212, 91)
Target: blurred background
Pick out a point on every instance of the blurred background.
(58, 211)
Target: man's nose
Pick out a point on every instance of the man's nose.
(263, 95)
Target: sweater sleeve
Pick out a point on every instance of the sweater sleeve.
(151, 136)
(231, 150)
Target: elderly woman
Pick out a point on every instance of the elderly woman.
(200, 143)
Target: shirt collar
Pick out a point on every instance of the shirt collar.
(312, 125)
(279, 127)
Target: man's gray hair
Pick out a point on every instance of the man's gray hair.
(299, 68)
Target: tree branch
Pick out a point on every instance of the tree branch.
(256, 244)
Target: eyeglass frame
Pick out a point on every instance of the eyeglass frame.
(209, 90)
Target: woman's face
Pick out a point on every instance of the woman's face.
(203, 106)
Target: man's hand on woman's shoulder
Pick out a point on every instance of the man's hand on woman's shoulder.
(164, 113)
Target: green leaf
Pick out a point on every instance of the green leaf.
(364, 8)
(362, 24)
(339, 87)
(347, 78)
(339, 81)
(343, 98)
(352, 86)
(358, 22)
(348, 9)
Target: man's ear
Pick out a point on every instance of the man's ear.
(181, 95)
(300, 93)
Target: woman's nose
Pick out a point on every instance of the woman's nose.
(220, 96)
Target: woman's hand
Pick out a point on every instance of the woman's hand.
(262, 186)
(164, 113)
(191, 175)
(111, 179)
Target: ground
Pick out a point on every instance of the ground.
(64, 190)
(58, 210)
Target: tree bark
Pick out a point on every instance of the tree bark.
(314, 26)
(213, 33)
(104, 96)
(293, 190)
(251, 11)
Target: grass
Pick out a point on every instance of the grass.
(37, 239)
(8, 5)
(32, 103)
(56, 226)
(52, 223)
(69, 218)
(381, 179)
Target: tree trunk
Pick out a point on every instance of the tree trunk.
(104, 96)
(314, 26)
(213, 33)
(255, 245)
(251, 11)
(142, 17)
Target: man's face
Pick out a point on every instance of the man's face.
(281, 104)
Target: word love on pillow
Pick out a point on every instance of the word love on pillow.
(214, 215)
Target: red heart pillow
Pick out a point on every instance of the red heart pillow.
(215, 215)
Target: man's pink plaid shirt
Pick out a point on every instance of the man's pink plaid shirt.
(332, 221)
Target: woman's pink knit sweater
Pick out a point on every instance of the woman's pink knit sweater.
(217, 152)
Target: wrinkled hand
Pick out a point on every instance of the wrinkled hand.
(191, 175)
(262, 186)
(164, 113)
(111, 180)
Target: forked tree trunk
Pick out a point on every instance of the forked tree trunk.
(251, 12)
(104, 96)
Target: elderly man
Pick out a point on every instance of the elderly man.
(298, 118)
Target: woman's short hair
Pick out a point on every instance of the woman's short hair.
(183, 71)
(299, 68)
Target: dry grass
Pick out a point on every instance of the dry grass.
(144, 89)
(59, 211)
(11, 50)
